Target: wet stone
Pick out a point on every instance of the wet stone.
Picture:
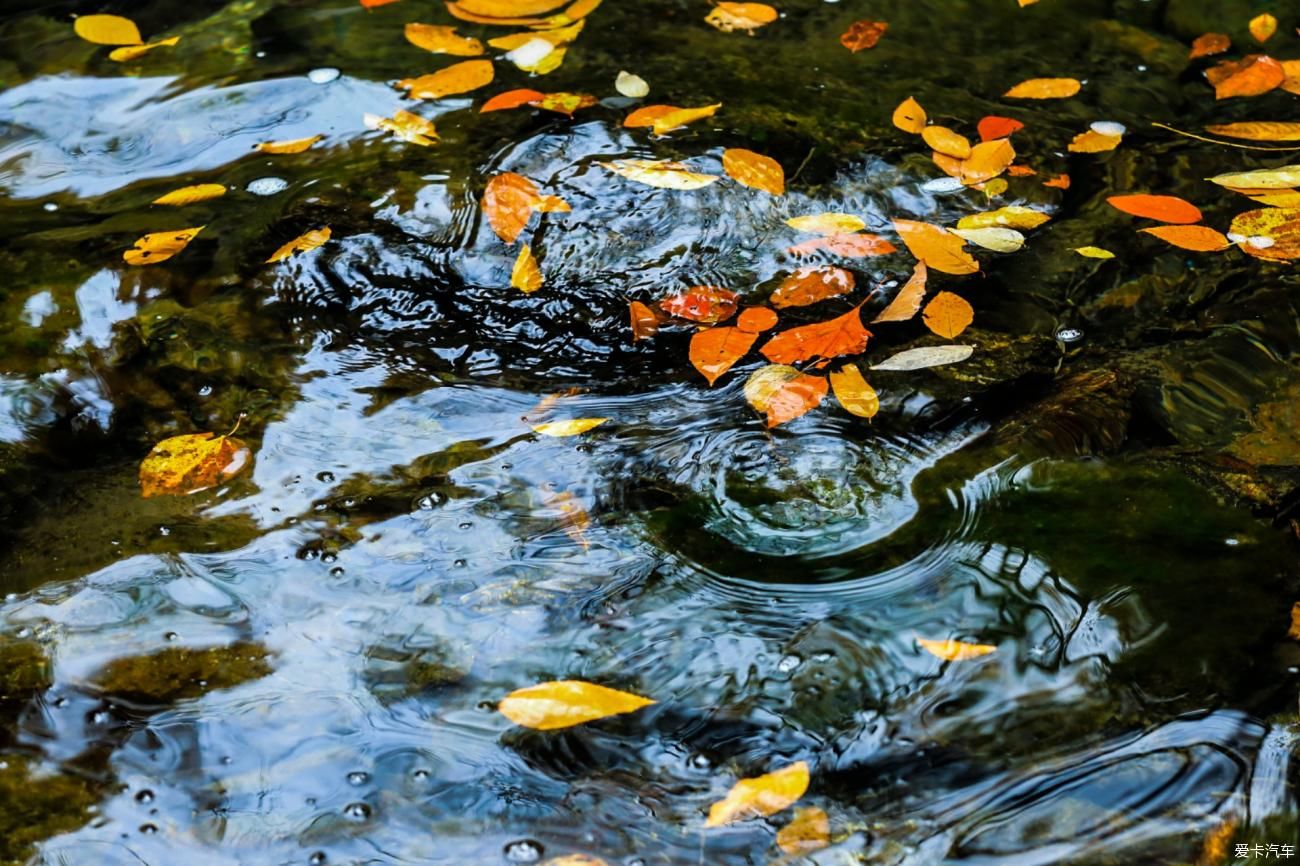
(180, 673)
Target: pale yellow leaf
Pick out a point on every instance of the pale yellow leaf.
(1285, 177)
(565, 703)
(526, 275)
(1000, 240)
(571, 427)
(631, 86)
(827, 223)
(660, 173)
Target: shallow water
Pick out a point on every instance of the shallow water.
(302, 666)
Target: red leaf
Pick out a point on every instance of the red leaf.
(1165, 208)
(512, 99)
(843, 335)
(715, 350)
(994, 127)
(708, 304)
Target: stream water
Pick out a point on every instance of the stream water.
(302, 665)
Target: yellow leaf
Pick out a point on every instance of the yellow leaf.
(1272, 233)
(740, 16)
(924, 358)
(987, 160)
(808, 831)
(1262, 130)
(910, 116)
(558, 37)
(1094, 252)
(1201, 239)
(509, 8)
(131, 52)
(660, 173)
(853, 392)
(947, 142)
(458, 78)
(442, 40)
(190, 463)
(754, 170)
(525, 275)
(761, 796)
(954, 650)
(1285, 177)
(783, 393)
(1262, 27)
(827, 223)
(305, 242)
(571, 427)
(107, 30)
(158, 247)
(937, 247)
(407, 126)
(631, 86)
(296, 145)
(1000, 240)
(565, 703)
(1094, 142)
(1045, 88)
(191, 194)
(908, 300)
(1011, 217)
(664, 118)
(1294, 632)
(948, 315)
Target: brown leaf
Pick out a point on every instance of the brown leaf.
(761, 796)
(863, 34)
(1250, 76)
(810, 285)
(948, 315)
(1209, 43)
(910, 116)
(1202, 239)
(190, 463)
(458, 78)
(707, 304)
(937, 247)
(645, 324)
(782, 393)
(754, 170)
(715, 350)
(843, 335)
(908, 300)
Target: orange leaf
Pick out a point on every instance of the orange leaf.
(442, 40)
(1061, 181)
(1045, 88)
(715, 350)
(1262, 27)
(1020, 171)
(1209, 43)
(783, 393)
(645, 324)
(1292, 70)
(1250, 76)
(708, 304)
(508, 203)
(948, 315)
(994, 127)
(1201, 239)
(852, 246)
(908, 300)
(755, 320)
(955, 650)
(863, 34)
(458, 78)
(987, 160)
(753, 170)
(728, 16)
(843, 335)
(1165, 208)
(372, 4)
(1094, 142)
(297, 145)
(512, 99)
(810, 830)
(663, 118)
(945, 141)
(910, 116)
(810, 285)
(937, 247)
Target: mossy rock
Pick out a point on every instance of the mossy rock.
(35, 807)
(181, 673)
(24, 670)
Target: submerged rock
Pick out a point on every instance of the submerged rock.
(176, 674)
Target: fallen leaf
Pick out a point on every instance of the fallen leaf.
(863, 34)
(1094, 142)
(1165, 208)
(1260, 130)
(158, 247)
(853, 246)
(994, 127)
(442, 40)
(808, 831)
(954, 650)
(565, 103)
(1262, 27)
(1000, 240)
(572, 516)
(843, 335)
(809, 285)
(645, 324)
(707, 304)
(853, 392)
(570, 427)
(665, 118)
(1294, 631)
(937, 247)
(987, 160)
(910, 116)
(1289, 198)
(1021, 171)
(512, 99)
(555, 38)
(294, 145)
(1291, 83)
(1209, 43)
(908, 300)
(190, 463)
(1011, 217)
(458, 78)
(537, 56)
(715, 350)
(458, 10)
(755, 320)
(575, 860)
(827, 223)
(1045, 88)
(754, 170)
(660, 173)
(948, 315)
(1250, 76)
(565, 703)
(761, 796)
(947, 142)
(740, 16)
(525, 275)
(1061, 181)
(509, 8)
(1284, 177)
(1196, 238)
(1272, 233)
(994, 188)
(131, 52)
(926, 356)
(305, 242)
(191, 194)
(107, 30)
(407, 126)
(509, 201)
(783, 393)
(1094, 252)
(631, 86)
(372, 4)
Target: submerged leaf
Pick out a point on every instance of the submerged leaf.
(707, 304)
(754, 170)
(130, 52)
(645, 324)
(783, 394)
(570, 427)
(926, 356)
(853, 392)
(852, 245)
(305, 242)
(761, 796)
(937, 247)
(191, 194)
(810, 285)
(808, 831)
(158, 247)
(294, 145)
(827, 223)
(565, 703)
(665, 118)
(863, 34)
(190, 463)
(509, 201)
(955, 650)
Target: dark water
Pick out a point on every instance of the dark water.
(303, 665)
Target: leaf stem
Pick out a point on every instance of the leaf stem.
(1224, 143)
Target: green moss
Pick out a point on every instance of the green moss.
(177, 674)
(35, 807)
(24, 670)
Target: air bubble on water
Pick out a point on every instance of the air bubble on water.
(524, 851)
(466, 525)
(50, 206)
(206, 391)
(788, 663)
(267, 185)
(327, 477)
(329, 556)
(701, 762)
(323, 75)
(421, 775)
(336, 571)
(357, 811)
(145, 796)
(357, 777)
(460, 563)
(1232, 542)
(23, 632)
(318, 859)
(823, 656)
(148, 829)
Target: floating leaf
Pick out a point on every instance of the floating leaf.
(1250, 76)
(1284, 177)
(740, 16)
(1201, 239)
(554, 38)
(293, 145)
(761, 796)
(1291, 83)
(570, 427)
(305, 242)
(782, 393)
(827, 223)
(853, 246)
(994, 127)
(954, 650)
(1011, 217)
(843, 335)
(512, 99)
(755, 320)
(664, 118)
(947, 142)
(565, 703)
(131, 52)
(1209, 43)
(537, 56)
(707, 304)
(458, 10)
(910, 116)
(525, 275)
(1260, 130)
(442, 40)
(565, 103)
(107, 30)
(1094, 252)
(372, 4)
(863, 34)
(1000, 240)
(948, 315)
(1061, 181)
(158, 247)
(509, 8)
(1165, 208)
(853, 392)
(1045, 88)
(908, 300)
(1094, 142)
(927, 356)
(1272, 233)
(1294, 631)
(937, 247)
(715, 350)
(808, 831)
(191, 194)
(407, 126)
(987, 160)
(810, 285)
(190, 463)
(660, 173)
(631, 86)
(458, 78)
(645, 324)
(509, 200)
(1262, 27)
(754, 170)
